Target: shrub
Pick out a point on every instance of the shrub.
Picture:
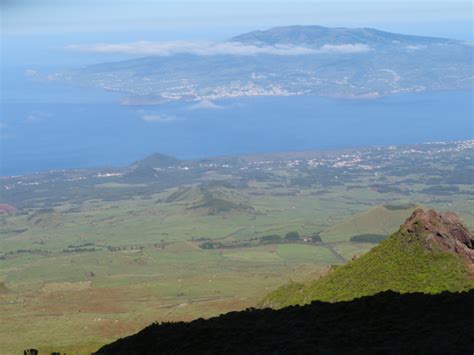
(292, 236)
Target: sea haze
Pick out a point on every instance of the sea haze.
(47, 126)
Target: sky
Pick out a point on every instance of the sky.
(195, 18)
(39, 32)
(35, 32)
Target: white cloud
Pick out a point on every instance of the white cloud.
(415, 47)
(158, 118)
(205, 105)
(344, 48)
(36, 116)
(204, 48)
(30, 73)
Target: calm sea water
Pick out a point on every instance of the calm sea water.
(48, 126)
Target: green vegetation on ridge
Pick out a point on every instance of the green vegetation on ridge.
(402, 263)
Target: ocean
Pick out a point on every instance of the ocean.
(49, 126)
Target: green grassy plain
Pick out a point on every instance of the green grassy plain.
(81, 272)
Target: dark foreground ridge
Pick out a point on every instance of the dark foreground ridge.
(386, 323)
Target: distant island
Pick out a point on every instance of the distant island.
(360, 63)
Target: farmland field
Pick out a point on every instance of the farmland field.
(91, 255)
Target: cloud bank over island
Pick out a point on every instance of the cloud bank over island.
(206, 105)
(207, 48)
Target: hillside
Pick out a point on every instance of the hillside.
(379, 221)
(209, 204)
(374, 305)
(387, 323)
(157, 161)
(140, 251)
(150, 168)
(431, 252)
(210, 201)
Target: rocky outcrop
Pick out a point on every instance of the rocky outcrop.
(442, 230)
(431, 253)
(7, 209)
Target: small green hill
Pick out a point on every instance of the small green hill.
(210, 204)
(430, 253)
(185, 195)
(157, 161)
(380, 220)
(210, 201)
(148, 169)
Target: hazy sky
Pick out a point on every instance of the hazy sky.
(35, 32)
(219, 19)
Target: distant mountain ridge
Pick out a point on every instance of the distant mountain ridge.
(316, 36)
(287, 61)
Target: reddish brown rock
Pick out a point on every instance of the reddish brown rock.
(4, 208)
(443, 230)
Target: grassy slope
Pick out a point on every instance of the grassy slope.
(128, 284)
(377, 220)
(400, 263)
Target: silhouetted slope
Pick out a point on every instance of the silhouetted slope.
(431, 252)
(387, 323)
